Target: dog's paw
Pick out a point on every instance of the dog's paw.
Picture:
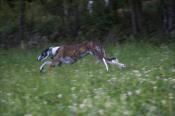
(41, 70)
(121, 66)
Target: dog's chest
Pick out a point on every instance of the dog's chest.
(67, 60)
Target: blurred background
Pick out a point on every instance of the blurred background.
(33, 23)
(140, 33)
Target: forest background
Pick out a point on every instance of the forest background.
(34, 23)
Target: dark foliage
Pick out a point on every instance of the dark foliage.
(37, 21)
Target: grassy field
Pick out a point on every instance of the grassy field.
(145, 88)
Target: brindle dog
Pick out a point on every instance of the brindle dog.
(69, 54)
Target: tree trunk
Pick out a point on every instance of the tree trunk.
(76, 20)
(168, 15)
(136, 19)
(22, 23)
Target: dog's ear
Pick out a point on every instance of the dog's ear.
(46, 50)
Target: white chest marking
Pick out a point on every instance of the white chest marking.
(54, 50)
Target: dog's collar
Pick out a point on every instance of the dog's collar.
(50, 52)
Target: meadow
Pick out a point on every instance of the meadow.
(145, 88)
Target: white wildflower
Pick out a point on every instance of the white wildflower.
(82, 106)
(27, 114)
(123, 97)
(36, 97)
(138, 74)
(136, 71)
(35, 89)
(163, 102)
(73, 108)
(99, 91)
(26, 97)
(73, 88)
(112, 79)
(96, 97)
(74, 96)
(45, 102)
(137, 92)
(101, 112)
(155, 87)
(153, 82)
(108, 104)
(9, 94)
(126, 112)
(173, 80)
(173, 70)
(59, 95)
(152, 108)
(129, 93)
(157, 77)
(171, 96)
(3, 101)
(165, 80)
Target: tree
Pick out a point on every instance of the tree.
(22, 22)
(168, 7)
(136, 19)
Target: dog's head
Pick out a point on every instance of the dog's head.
(49, 52)
(44, 55)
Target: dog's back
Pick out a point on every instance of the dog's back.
(79, 50)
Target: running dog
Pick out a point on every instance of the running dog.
(68, 54)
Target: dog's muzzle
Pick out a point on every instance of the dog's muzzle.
(42, 58)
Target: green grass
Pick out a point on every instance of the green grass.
(145, 88)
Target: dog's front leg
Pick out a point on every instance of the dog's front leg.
(45, 63)
(53, 64)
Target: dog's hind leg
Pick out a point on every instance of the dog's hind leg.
(106, 65)
(45, 63)
(115, 61)
(99, 53)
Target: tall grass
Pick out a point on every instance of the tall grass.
(145, 87)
